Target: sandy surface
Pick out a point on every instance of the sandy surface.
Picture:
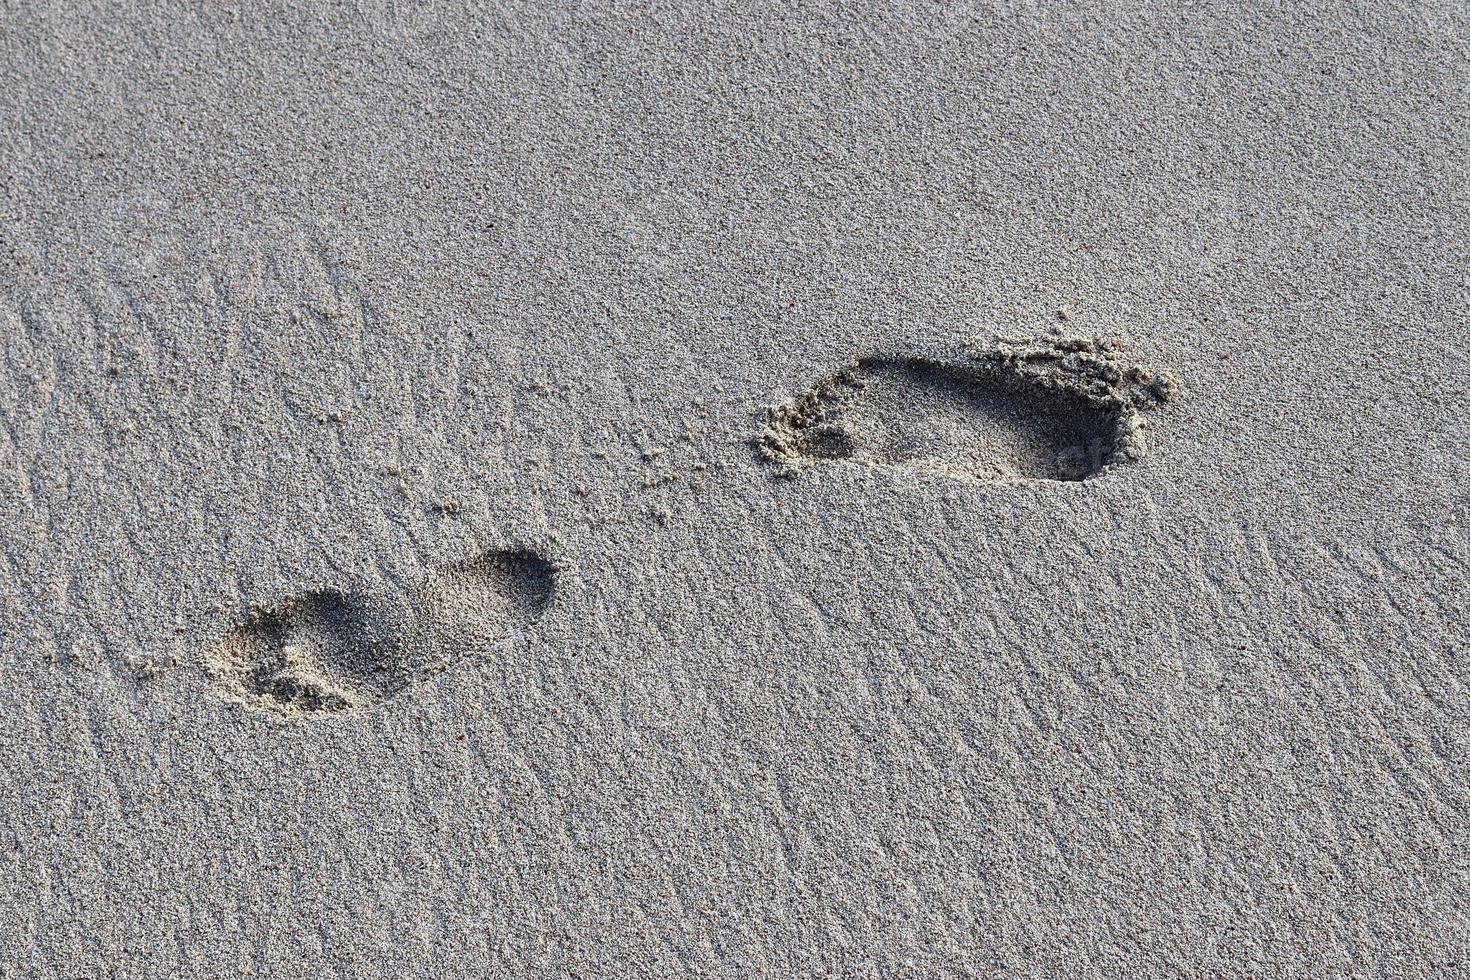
(317, 330)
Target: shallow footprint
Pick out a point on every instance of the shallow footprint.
(330, 652)
(1048, 409)
(486, 596)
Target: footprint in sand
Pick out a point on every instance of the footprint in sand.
(1048, 409)
(329, 652)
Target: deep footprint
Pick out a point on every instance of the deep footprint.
(330, 652)
(1049, 409)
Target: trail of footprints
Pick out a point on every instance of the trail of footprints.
(1054, 408)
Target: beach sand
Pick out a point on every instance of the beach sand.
(642, 490)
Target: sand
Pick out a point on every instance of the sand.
(396, 581)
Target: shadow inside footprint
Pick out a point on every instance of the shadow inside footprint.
(323, 652)
(329, 652)
(1054, 409)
